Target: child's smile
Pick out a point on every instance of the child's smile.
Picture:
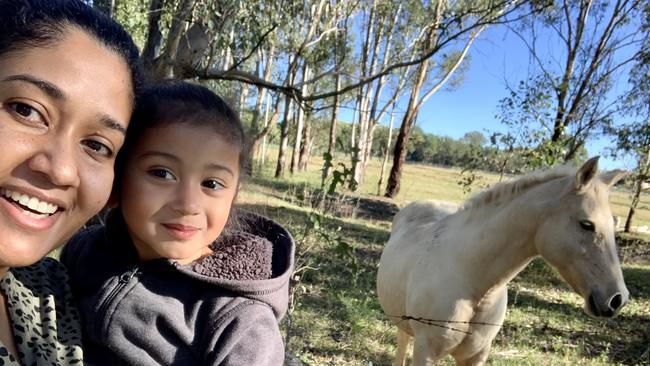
(177, 190)
(181, 232)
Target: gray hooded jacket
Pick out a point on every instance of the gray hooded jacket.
(223, 310)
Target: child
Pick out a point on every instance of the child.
(170, 279)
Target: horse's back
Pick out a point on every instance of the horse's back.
(423, 212)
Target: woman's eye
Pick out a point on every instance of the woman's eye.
(587, 225)
(98, 147)
(212, 184)
(161, 173)
(27, 112)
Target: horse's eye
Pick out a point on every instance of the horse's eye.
(587, 225)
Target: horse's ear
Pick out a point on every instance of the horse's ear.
(613, 176)
(586, 173)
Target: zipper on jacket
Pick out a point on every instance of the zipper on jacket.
(125, 278)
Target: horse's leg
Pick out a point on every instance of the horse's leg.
(424, 353)
(476, 347)
(403, 340)
(476, 360)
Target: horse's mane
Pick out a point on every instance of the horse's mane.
(501, 192)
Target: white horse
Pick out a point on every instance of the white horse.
(444, 282)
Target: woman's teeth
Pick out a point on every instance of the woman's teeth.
(41, 207)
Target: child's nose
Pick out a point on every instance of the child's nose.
(187, 200)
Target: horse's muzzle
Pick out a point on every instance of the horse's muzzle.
(607, 308)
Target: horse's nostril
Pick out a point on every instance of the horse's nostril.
(616, 301)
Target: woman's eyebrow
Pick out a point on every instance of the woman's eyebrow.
(56, 93)
(111, 123)
(47, 87)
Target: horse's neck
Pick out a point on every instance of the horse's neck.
(503, 242)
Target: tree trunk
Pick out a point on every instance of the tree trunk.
(227, 57)
(368, 64)
(644, 169)
(301, 123)
(243, 97)
(305, 147)
(182, 14)
(154, 35)
(266, 124)
(359, 145)
(399, 155)
(331, 144)
(260, 137)
(261, 92)
(573, 45)
(284, 139)
(386, 154)
(573, 150)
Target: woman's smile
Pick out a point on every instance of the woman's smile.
(28, 211)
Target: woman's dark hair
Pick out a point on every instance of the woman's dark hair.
(177, 102)
(28, 24)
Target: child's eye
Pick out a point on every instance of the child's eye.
(98, 147)
(27, 112)
(162, 174)
(212, 184)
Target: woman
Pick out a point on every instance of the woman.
(68, 77)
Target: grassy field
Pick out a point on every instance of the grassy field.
(335, 318)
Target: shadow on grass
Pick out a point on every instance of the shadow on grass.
(539, 274)
(638, 282)
(298, 220)
(624, 339)
(338, 204)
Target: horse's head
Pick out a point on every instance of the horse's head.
(577, 238)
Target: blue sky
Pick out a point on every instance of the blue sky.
(498, 56)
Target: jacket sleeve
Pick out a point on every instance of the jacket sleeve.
(249, 337)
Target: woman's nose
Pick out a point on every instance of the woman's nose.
(56, 161)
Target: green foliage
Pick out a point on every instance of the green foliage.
(470, 179)
(567, 98)
(334, 240)
(132, 14)
(342, 176)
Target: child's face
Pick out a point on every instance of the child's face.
(177, 189)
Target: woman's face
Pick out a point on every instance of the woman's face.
(63, 114)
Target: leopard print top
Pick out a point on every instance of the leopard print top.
(44, 319)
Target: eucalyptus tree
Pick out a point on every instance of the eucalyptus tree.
(447, 32)
(634, 137)
(578, 51)
(283, 47)
(386, 34)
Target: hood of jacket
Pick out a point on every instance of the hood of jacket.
(254, 260)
